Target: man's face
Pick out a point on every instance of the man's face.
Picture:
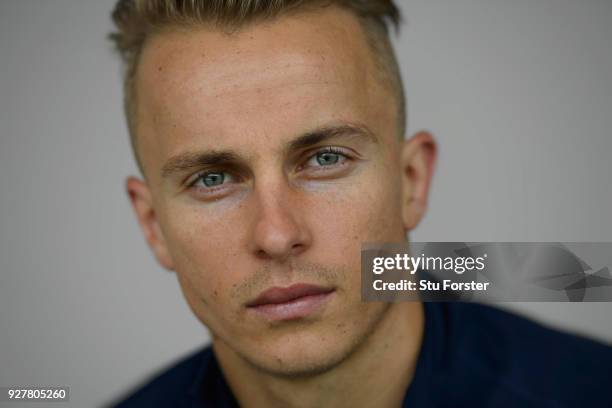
(271, 155)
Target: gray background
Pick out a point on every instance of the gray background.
(518, 93)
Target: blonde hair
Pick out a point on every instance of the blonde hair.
(137, 20)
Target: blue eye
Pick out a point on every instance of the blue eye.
(330, 157)
(327, 158)
(213, 179)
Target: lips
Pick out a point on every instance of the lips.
(293, 302)
(283, 295)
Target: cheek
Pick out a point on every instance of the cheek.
(204, 249)
(206, 256)
(367, 210)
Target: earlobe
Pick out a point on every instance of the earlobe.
(142, 203)
(418, 163)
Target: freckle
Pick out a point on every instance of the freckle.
(160, 68)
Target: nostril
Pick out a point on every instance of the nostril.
(262, 254)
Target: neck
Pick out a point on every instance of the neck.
(378, 373)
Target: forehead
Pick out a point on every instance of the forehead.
(203, 88)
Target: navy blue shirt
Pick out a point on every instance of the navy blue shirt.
(472, 356)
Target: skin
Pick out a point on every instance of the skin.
(284, 213)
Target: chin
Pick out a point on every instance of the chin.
(310, 351)
(299, 357)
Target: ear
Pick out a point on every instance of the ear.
(142, 203)
(418, 161)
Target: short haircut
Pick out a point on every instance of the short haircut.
(137, 20)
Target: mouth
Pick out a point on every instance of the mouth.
(290, 303)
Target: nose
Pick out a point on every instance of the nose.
(280, 229)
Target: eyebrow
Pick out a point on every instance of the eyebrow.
(190, 160)
(328, 132)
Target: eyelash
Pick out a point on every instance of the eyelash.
(345, 156)
(329, 149)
